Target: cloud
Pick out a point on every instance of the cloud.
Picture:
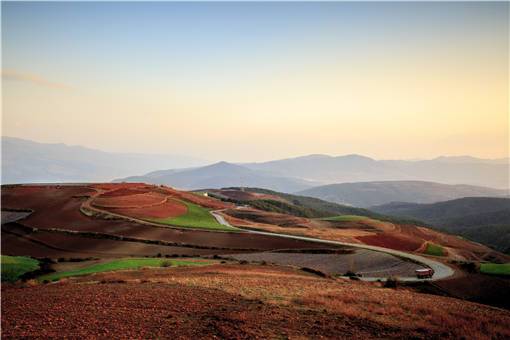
(23, 76)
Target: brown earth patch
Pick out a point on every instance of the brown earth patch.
(235, 302)
(130, 201)
(170, 208)
(392, 241)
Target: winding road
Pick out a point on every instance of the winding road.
(441, 270)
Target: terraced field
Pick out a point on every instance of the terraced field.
(61, 229)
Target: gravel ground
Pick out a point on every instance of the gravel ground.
(366, 262)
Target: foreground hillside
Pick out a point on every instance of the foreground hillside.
(238, 302)
(481, 219)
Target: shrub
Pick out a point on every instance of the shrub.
(350, 273)
(470, 267)
(392, 282)
(243, 262)
(166, 263)
(315, 271)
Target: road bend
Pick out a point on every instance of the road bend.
(441, 271)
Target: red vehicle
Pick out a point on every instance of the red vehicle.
(424, 273)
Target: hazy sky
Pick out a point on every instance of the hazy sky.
(259, 81)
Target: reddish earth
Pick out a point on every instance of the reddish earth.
(126, 191)
(55, 245)
(59, 207)
(130, 201)
(170, 208)
(238, 302)
(368, 231)
(398, 242)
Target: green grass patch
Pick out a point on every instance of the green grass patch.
(495, 269)
(434, 249)
(15, 266)
(196, 217)
(122, 265)
(344, 218)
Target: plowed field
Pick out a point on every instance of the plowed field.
(170, 208)
(238, 302)
(59, 207)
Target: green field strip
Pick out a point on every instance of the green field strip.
(122, 265)
(196, 217)
(15, 266)
(434, 249)
(495, 269)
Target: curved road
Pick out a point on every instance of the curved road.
(441, 270)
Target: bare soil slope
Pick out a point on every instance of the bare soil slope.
(238, 302)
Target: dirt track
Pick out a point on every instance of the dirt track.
(441, 270)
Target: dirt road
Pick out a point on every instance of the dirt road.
(441, 270)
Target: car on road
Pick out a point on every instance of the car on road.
(424, 273)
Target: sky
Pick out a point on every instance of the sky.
(259, 81)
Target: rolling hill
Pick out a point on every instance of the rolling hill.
(309, 206)
(481, 219)
(221, 174)
(366, 194)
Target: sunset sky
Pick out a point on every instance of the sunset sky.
(259, 81)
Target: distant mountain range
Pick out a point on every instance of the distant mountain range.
(482, 219)
(220, 175)
(492, 173)
(24, 161)
(367, 194)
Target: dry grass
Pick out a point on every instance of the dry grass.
(358, 303)
(359, 300)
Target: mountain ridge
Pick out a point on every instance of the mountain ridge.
(367, 194)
